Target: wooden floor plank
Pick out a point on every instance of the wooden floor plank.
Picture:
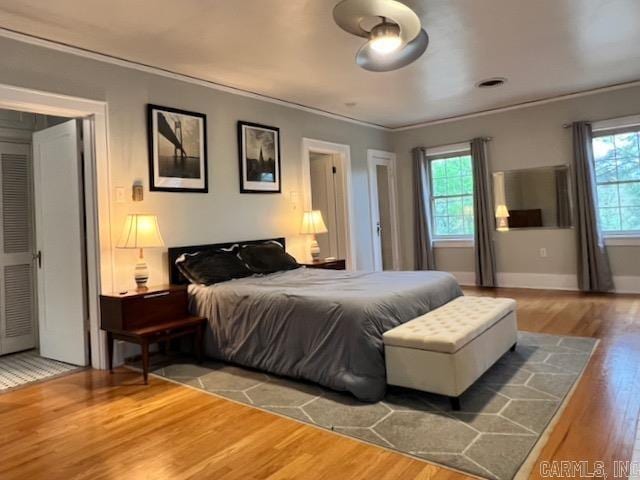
(92, 425)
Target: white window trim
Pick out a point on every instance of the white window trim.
(616, 123)
(622, 240)
(448, 149)
(453, 242)
(434, 153)
(618, 239)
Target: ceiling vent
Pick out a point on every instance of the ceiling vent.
(491, 82)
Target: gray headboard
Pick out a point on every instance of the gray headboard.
(176, 278)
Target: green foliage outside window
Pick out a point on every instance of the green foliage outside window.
(617, 169)
(452, 196)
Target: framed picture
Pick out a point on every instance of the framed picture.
(177, 150)
(259, 150)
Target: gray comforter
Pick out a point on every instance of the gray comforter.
(320, 325)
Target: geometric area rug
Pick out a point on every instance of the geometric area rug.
(503, 415)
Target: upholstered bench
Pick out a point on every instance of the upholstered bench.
(446, 350)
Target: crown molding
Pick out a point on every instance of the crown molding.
(121, 62)
(518, 106)
(101, 57)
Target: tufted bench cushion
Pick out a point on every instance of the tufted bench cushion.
(452, 326)
(445, 351)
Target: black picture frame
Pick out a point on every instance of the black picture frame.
(248, 185)
(168, 183)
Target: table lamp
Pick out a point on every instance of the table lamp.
(312, 224)
(502, 218)
(141, 231)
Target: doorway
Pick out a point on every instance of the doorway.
(42, 253)
(383, 208)
(326, 183)
(327, 196)
(95, 172)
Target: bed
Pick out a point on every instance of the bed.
(324, 326)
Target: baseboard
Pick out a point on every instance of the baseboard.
(627, 283)
(466, 279)
(548, 281)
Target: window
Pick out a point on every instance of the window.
(452, 195)
(617, 169)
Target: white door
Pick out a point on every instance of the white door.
(327, 196)
(17, 299)
(384, 218)
(60, 243)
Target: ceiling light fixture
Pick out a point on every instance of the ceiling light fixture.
(385, 37)
(393, 43)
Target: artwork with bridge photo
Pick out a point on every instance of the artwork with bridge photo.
(177, 150)
(259, 149)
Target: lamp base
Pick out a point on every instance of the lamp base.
(141, 274)
(315, 249)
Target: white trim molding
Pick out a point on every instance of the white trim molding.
(543, 281)
(344, 152)
(453, 243)
(121, 62)
(101, 57)
(466, 279)
(627, 283)
(615, 123)
(548, 281)
(518, 106)
(448, 149)
(622, 241)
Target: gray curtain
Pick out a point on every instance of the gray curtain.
(423, 244)
(483, 216)
(594, 273)
(563, 206)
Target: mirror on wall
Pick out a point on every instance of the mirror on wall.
(532, 198)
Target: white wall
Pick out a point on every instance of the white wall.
(223, 214)
(523, 138)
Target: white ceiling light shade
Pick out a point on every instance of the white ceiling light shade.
(396, 40)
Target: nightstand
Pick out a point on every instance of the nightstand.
(155, 315)
(338, 264)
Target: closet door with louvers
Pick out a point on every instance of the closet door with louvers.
(17, 298)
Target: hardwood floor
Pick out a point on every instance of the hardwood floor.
(100, 426)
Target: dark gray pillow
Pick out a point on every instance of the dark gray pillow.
(216, 266)
(267, 257)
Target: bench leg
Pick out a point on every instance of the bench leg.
(455, 403)
(513, 347)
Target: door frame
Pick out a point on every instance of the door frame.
(343, 154)
(374, 158)
(100, 266)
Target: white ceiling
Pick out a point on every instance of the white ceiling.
(293, 51)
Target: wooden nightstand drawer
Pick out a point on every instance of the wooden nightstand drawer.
(142, 309)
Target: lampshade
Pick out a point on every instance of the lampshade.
(312, 222)
(502, 212)
(140, 231)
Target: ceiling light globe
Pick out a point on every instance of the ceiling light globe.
(385, 38)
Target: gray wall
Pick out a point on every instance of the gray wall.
(224, 214)
(522, 138)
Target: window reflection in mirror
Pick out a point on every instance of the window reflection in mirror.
(532, 198)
